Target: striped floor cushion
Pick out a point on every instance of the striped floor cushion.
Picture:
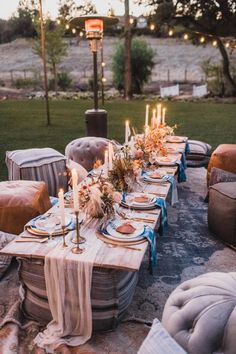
(5, 261)
(159, 341)
(45, 164)
(199, 154)
(111, 294)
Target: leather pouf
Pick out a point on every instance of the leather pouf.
(20, 201)
(224, 157)
(222, 211)
(200, 314)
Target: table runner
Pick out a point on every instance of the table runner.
(68, 282)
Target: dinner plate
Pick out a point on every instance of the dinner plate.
(175, 139)
(41, 223)
(148, 177)
(166, 161)
(111, 233)
(129, 203)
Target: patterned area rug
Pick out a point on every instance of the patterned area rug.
(186, 250)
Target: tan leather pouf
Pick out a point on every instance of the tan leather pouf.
(222, 211)
(223, 157)
(20, 201)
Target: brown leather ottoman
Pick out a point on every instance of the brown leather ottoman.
(222, 211)
(21, 201)
(224, 157)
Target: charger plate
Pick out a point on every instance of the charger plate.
(39, 226)
(118, 243)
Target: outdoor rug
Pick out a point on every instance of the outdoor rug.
(186, 250)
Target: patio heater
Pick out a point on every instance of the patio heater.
(96, 119)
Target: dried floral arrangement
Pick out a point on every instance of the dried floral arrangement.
(123, 175)
(97, 197)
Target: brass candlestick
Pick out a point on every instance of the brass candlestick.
(77, 249)
(64, 244)
(81, 238)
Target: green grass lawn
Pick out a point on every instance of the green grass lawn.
(23, 123)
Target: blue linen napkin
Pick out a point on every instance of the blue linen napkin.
(150, 235)
(187, 148)
(181, 172)
(160, 203)
(171, 179)
(53, 200)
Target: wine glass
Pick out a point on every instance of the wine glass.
(51, 226)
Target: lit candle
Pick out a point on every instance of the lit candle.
(110, 156)
(106, 164)
(127, 132)
(164, 116)
(75, 190)
(61, 206)
(153, 118)
(159, 114)
(147, 115)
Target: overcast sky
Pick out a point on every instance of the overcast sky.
(51, 6)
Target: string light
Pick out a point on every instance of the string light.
(214, 43)
(104, 79)
(171, 32)
(202, 39)
(227, 45)
(73, 31)
(67, 26)
(186, 36)
(152, 26)
(103, 64)
(81, 34)
(131, 21)
(58, 21)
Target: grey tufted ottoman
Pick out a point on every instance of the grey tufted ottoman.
(87, 150)
(200, 314)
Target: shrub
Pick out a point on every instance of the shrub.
(26, 83)
(216, 82)
(141, 62)
(63, 81)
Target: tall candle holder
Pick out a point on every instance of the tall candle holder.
(64, 244)
(77, 249)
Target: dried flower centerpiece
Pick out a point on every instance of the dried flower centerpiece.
(125, 170)
(97, 197)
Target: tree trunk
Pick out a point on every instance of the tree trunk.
(127, 56)
(55, 76)
(226, 72)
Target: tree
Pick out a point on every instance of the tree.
(56, 47)
(215, 18)
(127, 55)
(141, 65)
(69, 9)
(21, 24)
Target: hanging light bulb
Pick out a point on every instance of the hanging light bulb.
(214, 43)
(186, 36)
(103, 64)
(152, 26)
(81, 34)
(73, 30)
(227, 45)
(171, 32)
(131, 21)
(104, 79)
(67, 26)
(202, 39)
(58, 21)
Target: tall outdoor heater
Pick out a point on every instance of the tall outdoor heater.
(96, 119)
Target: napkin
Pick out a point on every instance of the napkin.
(181, 172)
(187, 148)
(161, 203)
(174, 193)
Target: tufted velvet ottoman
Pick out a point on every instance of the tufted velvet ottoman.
(20, 201)
(222, 211)
(87, 150)
(224, 157)
(200, 314)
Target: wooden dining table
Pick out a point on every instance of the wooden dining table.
(108, 257)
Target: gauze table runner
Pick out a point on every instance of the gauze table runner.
(68, 282)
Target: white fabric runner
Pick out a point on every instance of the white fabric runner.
(68, 283)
